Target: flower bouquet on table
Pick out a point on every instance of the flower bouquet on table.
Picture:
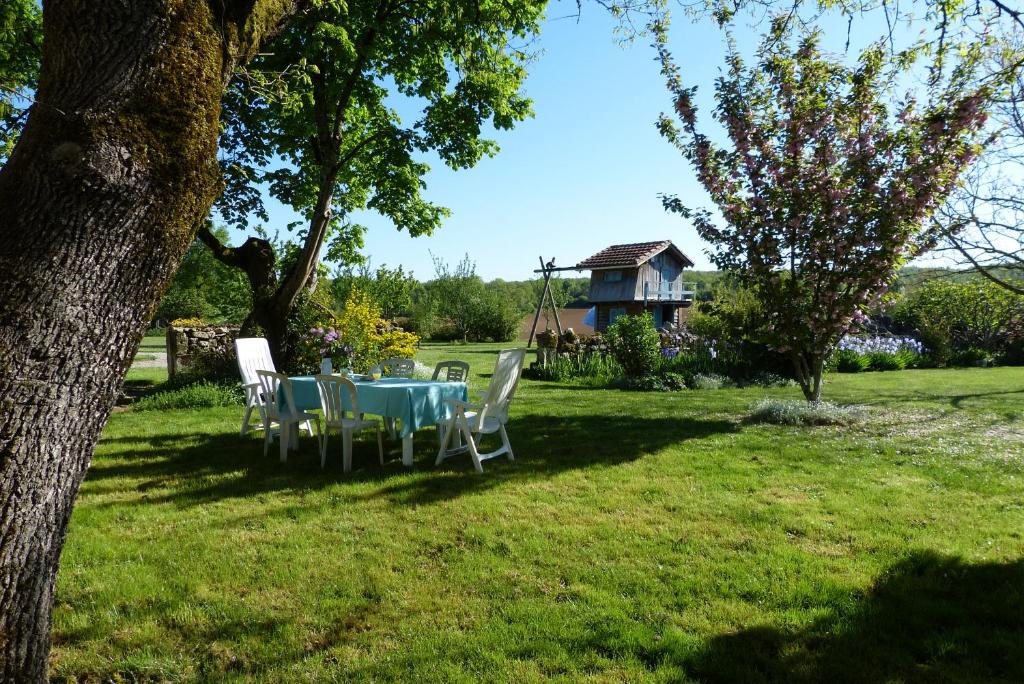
(332, 352)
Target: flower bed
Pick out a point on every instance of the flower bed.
(857, 353)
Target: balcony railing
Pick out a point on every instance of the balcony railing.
(671, 291)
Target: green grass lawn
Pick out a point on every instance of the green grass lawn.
(637, 537)
(153, 344)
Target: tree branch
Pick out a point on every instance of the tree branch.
(224, 254)
(984, 271)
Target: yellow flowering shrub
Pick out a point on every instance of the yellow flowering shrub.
(372, 339)
(397, 343)
(187, 323)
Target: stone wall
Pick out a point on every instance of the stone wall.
(184, 345)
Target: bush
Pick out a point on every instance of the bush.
(635, 344)
(201, 394)
(954, 318)
(184, 304)
(1013, 354)
(884, 361)
(666, 382)
(595, 369)
(395, 342)
(707, 381)
(370, 337)
(797, 412)
(492, 319)
(971, 357)
(849, 361)
(769, 380)
(732, 327)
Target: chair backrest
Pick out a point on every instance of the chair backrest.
(455, 371)
(398, 368)
(253, 355)
(334, 390)
(277, 393)
(503, 382)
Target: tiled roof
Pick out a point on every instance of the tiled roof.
(630, 255)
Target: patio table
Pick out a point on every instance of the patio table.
(416, 403)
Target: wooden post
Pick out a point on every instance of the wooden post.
(554, 310)
(540, 302)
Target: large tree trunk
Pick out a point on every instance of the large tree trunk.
(98, 202)
(269, 315)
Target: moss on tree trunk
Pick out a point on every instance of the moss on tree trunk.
(98, 203)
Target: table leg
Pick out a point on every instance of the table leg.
(407, 450)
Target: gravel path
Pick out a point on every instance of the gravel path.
(159, 362)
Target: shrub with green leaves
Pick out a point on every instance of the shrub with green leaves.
(494, 319)
(780, 412)
(593, 369)
(849, 361)
(707, 381)
(885, 361)
(971, 357)
(197, 395)
(951, 318)
(635, 344)
(665, 382)
(766, 379)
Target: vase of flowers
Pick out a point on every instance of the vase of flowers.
(332, 351)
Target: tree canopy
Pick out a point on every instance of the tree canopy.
(341, 110)
(825, 190)
(21, 45)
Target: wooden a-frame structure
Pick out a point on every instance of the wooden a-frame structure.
(547, 296)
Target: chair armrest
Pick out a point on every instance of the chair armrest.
(458, 403)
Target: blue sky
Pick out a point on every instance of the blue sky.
(584, 173)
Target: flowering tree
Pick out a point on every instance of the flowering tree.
(824, 191)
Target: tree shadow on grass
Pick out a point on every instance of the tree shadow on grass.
(548, 445)
(927, 618)
(955, 400)
(208, 468)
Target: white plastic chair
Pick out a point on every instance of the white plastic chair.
(449, 371)
(394, 368)
(398, 368)
(253, 354)
(473, 421)
(279, 407)
(333, 391)
(454, 371)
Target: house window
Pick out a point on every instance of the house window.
(612, 276)
(616, 312)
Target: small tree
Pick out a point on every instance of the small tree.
(390, 289)
(824, 191)
(454, 293)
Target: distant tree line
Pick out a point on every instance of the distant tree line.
(454, 304)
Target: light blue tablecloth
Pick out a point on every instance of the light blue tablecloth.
(416, 403)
